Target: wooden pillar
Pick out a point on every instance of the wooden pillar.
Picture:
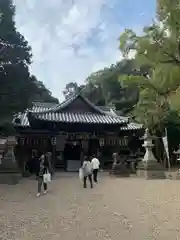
(53, 144)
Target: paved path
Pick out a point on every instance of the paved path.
(127, 209)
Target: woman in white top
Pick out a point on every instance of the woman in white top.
(87, 171)
(95, 165)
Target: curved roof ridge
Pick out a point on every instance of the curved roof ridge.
(65, 103)
(73, 98)
(59, 107)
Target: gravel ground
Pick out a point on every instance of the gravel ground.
(124, 209)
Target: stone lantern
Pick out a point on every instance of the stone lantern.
(9, 171)
(119, 168)
(177, 153)
(2, 147)
(149, 168)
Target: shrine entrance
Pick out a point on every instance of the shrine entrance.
(72, 155)
(70, 149)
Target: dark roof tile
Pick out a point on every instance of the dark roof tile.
(52, 112)
(73, 117)
(132, 126)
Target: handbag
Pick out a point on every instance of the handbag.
(81, 174)
(47, 177)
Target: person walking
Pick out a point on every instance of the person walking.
(44, 169)
(49, 158)
(36, 164)
(95, 165)
(87, 172)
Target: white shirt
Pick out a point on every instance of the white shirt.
(87, 168)
(95, 163)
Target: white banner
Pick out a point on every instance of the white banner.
(165, 142)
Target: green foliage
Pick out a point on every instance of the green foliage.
(104, 87)
(128, 41)
(158, 48)
(18, 89)
(168, 12)
(7, 129)
(173, 126)
(40, 92)
(14, 59)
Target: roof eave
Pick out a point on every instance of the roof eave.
(36, 117)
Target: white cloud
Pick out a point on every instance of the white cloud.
(60, 34)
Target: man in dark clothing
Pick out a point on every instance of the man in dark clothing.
(37, 166)
(44, 168)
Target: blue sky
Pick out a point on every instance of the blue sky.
(72, 38)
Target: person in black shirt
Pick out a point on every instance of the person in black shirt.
(44, 168)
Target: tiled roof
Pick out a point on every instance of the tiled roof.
(44, 111)
(37, 107)
(77, 117)
(52, 112)
(105, 108)
(132, 126)
(59, 114)
(67, 102)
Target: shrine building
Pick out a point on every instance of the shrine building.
(74, 129)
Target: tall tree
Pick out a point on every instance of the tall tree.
(159, 48)
(104, 88)
(15, 57)
(40, 92)
(18, 89)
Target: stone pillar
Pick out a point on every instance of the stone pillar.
(177, 153)
(9, 171)
(177, 176)
(149, 168)
(2, 147)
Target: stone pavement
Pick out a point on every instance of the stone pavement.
(127, 209)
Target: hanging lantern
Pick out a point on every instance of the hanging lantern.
(53, 141)
(101, 142)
